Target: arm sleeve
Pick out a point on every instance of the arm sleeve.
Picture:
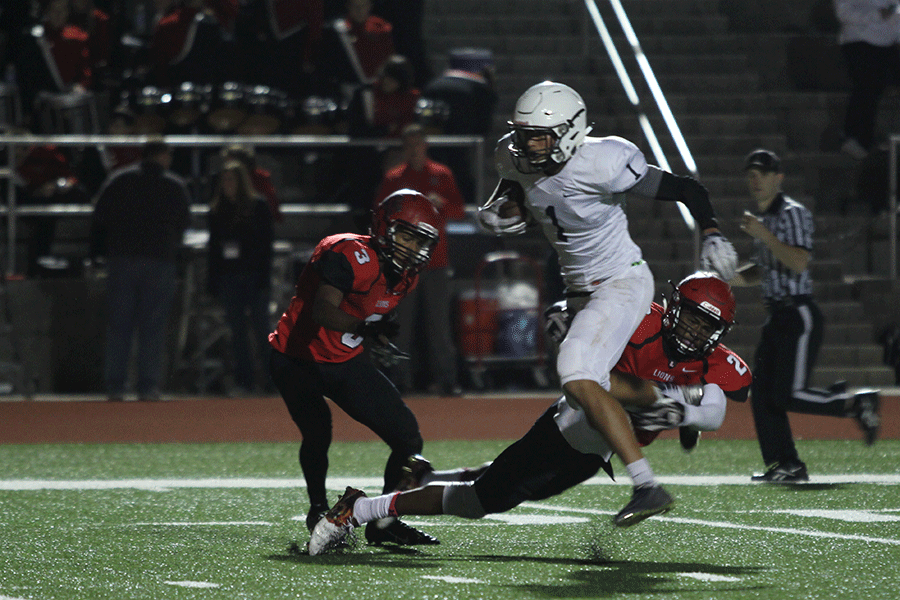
(711, 412)
(665, 186)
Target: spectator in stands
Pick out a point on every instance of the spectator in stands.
(869, 36)
(240, 269)
(467, 91)
(427, 311)
(98, 27)
(48, 178)
(121, 122)
(259, 177)
(354, 50)
(782, 232)
(279, 40)
(406, 18)
(55, 56)
(138, 225)
(188, 44)
(385, 107)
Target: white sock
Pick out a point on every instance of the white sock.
(369, 509)
(641, 474)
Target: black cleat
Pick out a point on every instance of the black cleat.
(792, 472)
(417, 466)
(398, 532)
(645, 502)
(688, 436)
(314, 515)
(866, 407)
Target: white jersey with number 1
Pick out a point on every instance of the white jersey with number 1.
(581, 208)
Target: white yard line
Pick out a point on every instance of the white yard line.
(725, 525)
(375, 483)
(339, 483)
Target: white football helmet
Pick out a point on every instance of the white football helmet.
(547, 108)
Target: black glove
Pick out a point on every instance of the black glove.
(387, 355)
(386, 326)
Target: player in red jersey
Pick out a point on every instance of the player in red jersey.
(344, 299)
(673, 373)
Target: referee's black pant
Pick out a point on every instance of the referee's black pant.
(787, 351)
(361, 391)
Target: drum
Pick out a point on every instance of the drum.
(189, 101)
(10, 107)
(67, 112)
(432, 115)
(267, 110)
(316, 116)
(228, 107)
(150, 106)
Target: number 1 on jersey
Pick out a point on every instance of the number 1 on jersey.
(551, 214)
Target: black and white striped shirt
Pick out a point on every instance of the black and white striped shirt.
(792, 223)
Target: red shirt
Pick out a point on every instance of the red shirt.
(644, 357)
(71, 52)
(374, 43)
(349, 263)
(434, 178)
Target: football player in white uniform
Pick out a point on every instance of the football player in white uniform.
(573, 186)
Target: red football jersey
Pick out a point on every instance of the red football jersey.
(644, 357)
(349, 263)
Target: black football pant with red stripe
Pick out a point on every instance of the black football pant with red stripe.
(361, 391)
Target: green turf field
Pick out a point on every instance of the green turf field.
(211, 521)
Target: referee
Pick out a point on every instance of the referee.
(792, 334)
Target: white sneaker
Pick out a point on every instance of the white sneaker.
(851, 147)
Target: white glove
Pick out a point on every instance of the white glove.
(719, 255)
(661, 415)
(489, 217)
(689, 394)
(557, 322)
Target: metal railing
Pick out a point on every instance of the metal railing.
(13, 211)
(658, 97)
(892, 205)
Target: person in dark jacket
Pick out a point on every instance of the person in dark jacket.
(138, 224)
(240, 267)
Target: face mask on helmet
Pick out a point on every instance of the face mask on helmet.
(409, 246)
(549, 123)
(700, 312)
(405, 231)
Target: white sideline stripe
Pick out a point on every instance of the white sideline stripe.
(451, 579)
(727, 525)
(711, 577)
(200, 523)
(339, 483)
(193, 584)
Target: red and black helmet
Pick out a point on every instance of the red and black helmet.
(711, 303)
(409, 212)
